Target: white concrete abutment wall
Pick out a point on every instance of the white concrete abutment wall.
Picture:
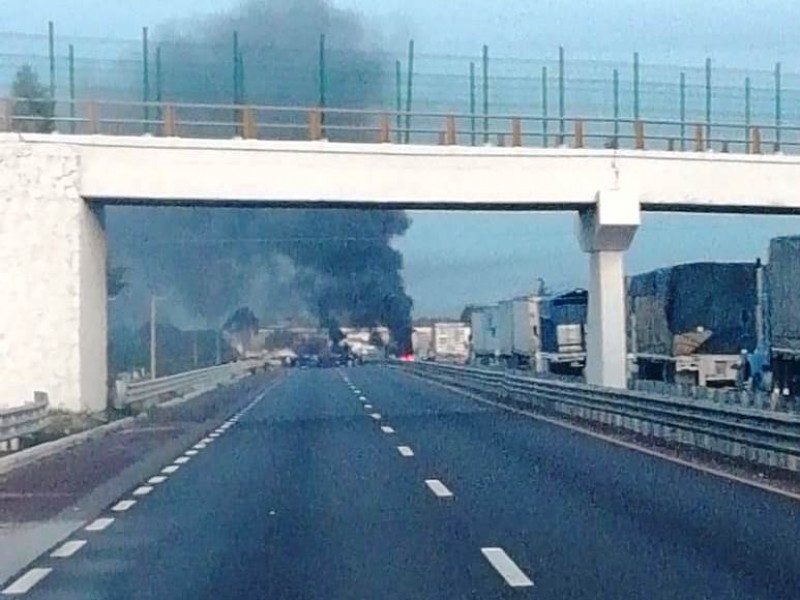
(52, 280)
(52, 248)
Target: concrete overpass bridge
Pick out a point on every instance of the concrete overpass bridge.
(53, 188)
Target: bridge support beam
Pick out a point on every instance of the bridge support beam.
(605, 232)
(52, 281)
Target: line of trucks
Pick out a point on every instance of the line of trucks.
(708, 323)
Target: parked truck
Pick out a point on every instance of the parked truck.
(783, 316)
(693, 323)
(562, 332)
(484, 349)
(518, 333)
(451, 341)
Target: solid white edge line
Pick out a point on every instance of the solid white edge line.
(143, 490)
(170, 469)
(182, 460)
(438, 488)
(24, 584)
(405, 451)
(628, 445)
(387, 429)
(99, 524)
(67, 549)
(157, 479)
(507, 568)
(123, 505)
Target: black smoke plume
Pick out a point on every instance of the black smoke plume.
(337, 265)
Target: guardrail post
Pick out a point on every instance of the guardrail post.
(249, 128)
(7, 114)
(638, 132)
(450, 131)
(315, 124)
(699, 145)
(93, 117)
(516, 132)
(385, 132)
(169, 125)
(579, 141)
(755, 146)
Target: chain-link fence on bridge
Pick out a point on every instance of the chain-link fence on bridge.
(682, 107)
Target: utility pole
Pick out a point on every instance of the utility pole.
(152, 337)
(153, 300)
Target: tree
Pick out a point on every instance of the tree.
(33, 108)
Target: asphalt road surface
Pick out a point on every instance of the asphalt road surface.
(367, 483)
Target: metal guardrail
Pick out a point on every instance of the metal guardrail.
(137, 393)
(22, 420)
(269, 122)
(761, 436)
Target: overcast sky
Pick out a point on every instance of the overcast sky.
(452, 259)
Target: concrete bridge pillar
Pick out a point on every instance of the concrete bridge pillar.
(605, 232)
(52, 280)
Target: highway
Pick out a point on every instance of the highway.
(366, 483)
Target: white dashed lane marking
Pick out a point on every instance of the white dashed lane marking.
(213, 435)
(438, 488)
(507, 568)
(156, 480)
(182, 460)
(67, 549)
(143, 490)
(368, 406)
(123, 505)
(362, 398)
(200, 446)
(24, 584)
(207, 440)
(405, 451)
(99, 524)
(170, 469)
(387, 429)
(376, 416)
(190, 452)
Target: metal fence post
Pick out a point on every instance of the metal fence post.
(544, 107)
(747, 114)
(638, 128)
(756, 144)
(51, 43)
(71, 88)
(159, 84)
(616, 108)
(398, 101)
(169, 126)
(450, 131)
(516, 132)
(145, 79)
(472, 102)
(579, 141)
(683, 110)
(485, 94)
(561, 96)
(778, 115)
(636, 86)
(323, 87)
(409, 89)
(708, 103)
